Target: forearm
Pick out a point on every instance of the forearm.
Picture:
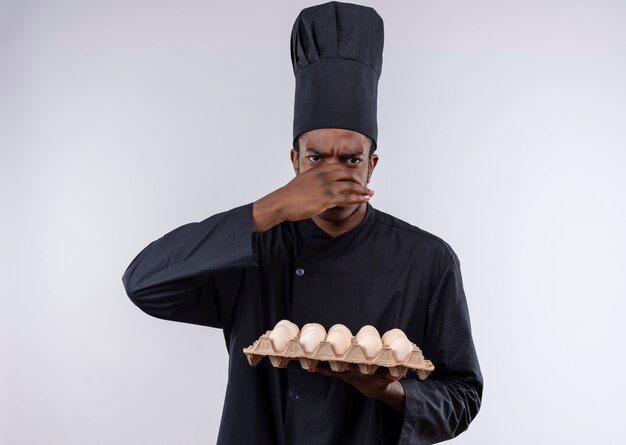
(222, 241)
(167, 279)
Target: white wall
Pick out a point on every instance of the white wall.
(501, 130)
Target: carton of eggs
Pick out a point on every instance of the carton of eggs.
(339, 348)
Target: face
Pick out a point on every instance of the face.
(335, 145)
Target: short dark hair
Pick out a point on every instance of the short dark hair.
(296, 145)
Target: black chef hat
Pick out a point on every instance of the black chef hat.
(337, 58)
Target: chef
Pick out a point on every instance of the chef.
(315, 250)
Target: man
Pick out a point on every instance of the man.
(315, 250)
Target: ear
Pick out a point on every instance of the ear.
(295, 161)
(373, 161)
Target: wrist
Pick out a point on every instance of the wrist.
(393, 395)
(266, 213)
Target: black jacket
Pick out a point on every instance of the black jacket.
(384, 272)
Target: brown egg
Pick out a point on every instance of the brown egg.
(340, 338)
(311, 335)
(317, 326)
(292, 326)
(367, 329)
(280, 336)
(391, 335)
(401, 347)
(339, 327)
(370, 343)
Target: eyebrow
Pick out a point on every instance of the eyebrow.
(350, 154)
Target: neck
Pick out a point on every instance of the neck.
(336, 228)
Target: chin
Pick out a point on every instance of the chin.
(338, 214)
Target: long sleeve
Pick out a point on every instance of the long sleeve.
(174, 277)
(443, 406)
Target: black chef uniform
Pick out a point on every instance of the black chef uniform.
(383, 272)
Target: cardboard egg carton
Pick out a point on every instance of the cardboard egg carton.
(324, 353)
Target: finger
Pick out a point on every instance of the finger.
(349, 187)
(348, 194)
(324, 369)
(347, 174)
(325, 372)
(346, 200)
(386, 374)
(336, 172)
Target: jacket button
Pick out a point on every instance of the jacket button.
(293, 395)
(300, 272)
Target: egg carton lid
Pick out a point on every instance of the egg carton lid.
(263, 347)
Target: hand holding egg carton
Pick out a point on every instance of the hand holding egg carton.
(339, 348)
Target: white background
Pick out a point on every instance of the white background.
(501, 131)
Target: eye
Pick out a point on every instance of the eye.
(314, 158)
(354, 161)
